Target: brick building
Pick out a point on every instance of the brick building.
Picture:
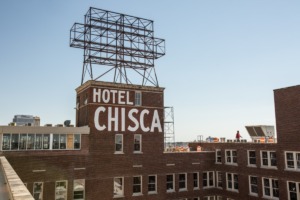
(116, 150)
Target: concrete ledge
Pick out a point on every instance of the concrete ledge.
(16, 187)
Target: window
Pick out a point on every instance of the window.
(77, 141)
(137, 185)
(38, 141)
(292, 160)
(253, 185)
(209, 198)
(268, 159)
(55, 142)
(137, 143)
(270, 188)
(232, 181)
(46, 141)
(208, 179)
(23, 141)
(251, 158)
(62, 141)
(196, 180)
(152, 184)
(182, 182)
(219, 180)
(293, 190)
(118, 187)
(119, 143)
(38, 191)
(78, 189)
(138, 98)
(6, 141)
(196, 198)
(218, 156)
(30, 141)
(231, 157)
(14, 142)
(61, 190)
(170, 183)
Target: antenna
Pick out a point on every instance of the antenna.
(120, 42)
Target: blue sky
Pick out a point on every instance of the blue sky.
(223, 59)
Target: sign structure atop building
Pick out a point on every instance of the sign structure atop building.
(120, 42)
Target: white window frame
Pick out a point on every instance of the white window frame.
(197, 181)
(40, 193)
(115, 188)
(231, 159)
(155, 185)
(295, 160)
(250, 186)
(138, 98)
(79, 189)
(217, 179)
(140, 186)
(209, 179)
(232, 188)
(122, 144)
(140, 139)
(269, 165)
(209, 198)
(270, 187)
(249, 158)
(57, 196)
(218, 156)
(296, 189)
(182, 181)
(173, 183)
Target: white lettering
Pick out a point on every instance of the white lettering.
(121, 96)
(112, 119)
(142, 117)
(97, 94)
(96, 118)
(128, 99)
(123, 119)
(114, 92)
(155, 122)
(105, 96)
(133, 119)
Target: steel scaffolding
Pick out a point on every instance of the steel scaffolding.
(119, 42)
(169, 131)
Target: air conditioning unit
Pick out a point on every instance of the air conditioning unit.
(229, 140)
(48, 125)
(257, 140)
(235, 140)
(244, 140)
(59, 125)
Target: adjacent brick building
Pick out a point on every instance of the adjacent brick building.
(116, 151)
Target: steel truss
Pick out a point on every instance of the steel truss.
(120, 42)
(169, 131)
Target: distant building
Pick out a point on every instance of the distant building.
(26, 120)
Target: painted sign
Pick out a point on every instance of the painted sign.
(117, 116)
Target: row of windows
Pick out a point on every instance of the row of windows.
(61, 190)
(208, 180)
(137, 143)
(32, 141)
(268, 158)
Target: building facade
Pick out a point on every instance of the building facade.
(116, 151)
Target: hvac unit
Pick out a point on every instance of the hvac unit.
(257, 140)
(244, 140)
(229, 140)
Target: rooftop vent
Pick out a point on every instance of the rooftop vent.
(48, 125)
